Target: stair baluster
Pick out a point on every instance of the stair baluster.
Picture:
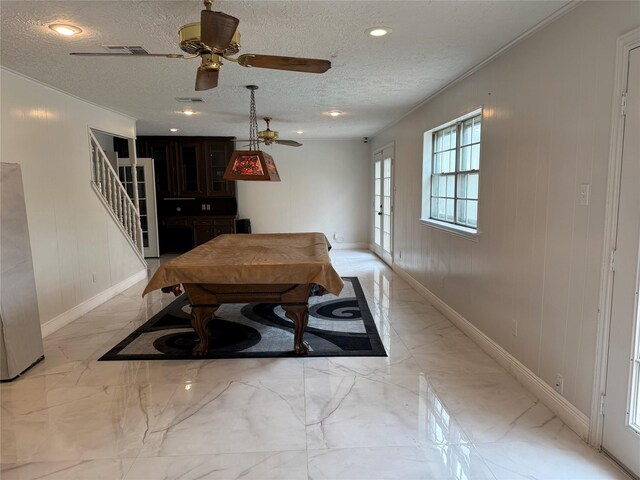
(115, 197)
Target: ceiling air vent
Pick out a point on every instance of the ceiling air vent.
(190, 99)
(126, 49)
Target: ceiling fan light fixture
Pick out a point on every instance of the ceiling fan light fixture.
(210, 61)
(378, 31)
(65, 29)
(268, 135)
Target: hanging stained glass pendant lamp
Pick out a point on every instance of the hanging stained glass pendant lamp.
(252, 164)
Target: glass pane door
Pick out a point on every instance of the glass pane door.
(634, 401)
(621, 429)
(124, 172)
(377, 203)
(383, 204)
(386, 206)
(146, 198)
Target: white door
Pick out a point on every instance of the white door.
(147, 199)
(621, 433)
(383, 203)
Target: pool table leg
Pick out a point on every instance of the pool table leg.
(299, 314)
(200, 318)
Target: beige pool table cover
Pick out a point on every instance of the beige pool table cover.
(278, 258)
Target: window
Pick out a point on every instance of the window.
(451, 173)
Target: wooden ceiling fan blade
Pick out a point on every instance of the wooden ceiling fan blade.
(206, 79)
(127, 55)
(290, 143)
(217, 29)
(294, 64)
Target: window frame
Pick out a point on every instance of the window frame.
(428, 167)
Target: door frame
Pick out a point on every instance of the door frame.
(392, 147)
(152, 221)
(624, 45)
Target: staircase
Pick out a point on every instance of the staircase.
(106, 184)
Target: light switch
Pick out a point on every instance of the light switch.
(585, 190)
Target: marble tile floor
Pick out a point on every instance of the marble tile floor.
(436, 408)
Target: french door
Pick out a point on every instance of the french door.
(383, 204)
(621, 428)
(146, 198)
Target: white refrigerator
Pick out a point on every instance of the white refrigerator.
(20, 331)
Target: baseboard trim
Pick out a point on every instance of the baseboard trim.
(358, 245)
(566, 411)
(79, 310)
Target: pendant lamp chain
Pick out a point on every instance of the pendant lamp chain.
(253, 123)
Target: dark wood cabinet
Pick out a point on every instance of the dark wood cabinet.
(195, 204)
(190, 167)
(163, 154)
(216, 156)
(206, 229)
(197, 230)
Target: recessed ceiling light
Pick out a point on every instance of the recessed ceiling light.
(334, 113)
(64, 29)
(378, 31)
(299, 132)
(188, 112)
(173, 129)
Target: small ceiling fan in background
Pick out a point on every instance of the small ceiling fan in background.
(216, 37)
(268, 136)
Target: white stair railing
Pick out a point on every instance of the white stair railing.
(106, 183)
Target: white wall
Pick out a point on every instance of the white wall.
(72, 235)
(325, 187)
(546, 128)
(105, 140)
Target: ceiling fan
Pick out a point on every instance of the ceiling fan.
(216, 37)
(268, 136)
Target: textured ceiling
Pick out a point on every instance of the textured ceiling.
(374, 80)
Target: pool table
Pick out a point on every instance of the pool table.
(246, 268)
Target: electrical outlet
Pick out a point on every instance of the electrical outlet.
(514, 328)
(559, 386)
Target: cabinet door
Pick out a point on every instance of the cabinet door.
(163, 154)
(222, 226)
(202, 234)
(216, 158)
(190, 170)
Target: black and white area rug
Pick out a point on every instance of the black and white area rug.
(338, 326)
